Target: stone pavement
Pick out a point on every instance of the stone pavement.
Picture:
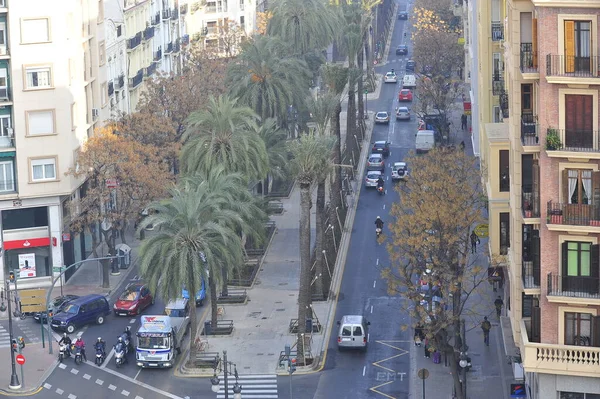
(38, 366)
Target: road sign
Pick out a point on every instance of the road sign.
(482, 231)
(20, 359)
(423, 374)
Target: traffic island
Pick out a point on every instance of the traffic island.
(223, 327)
(203, 366)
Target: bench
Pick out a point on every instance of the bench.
(207, 360)
(233, 296)
(224, 327)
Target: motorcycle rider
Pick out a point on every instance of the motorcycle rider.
(379, 223)
(67, 341)
(100, 345)
(120, 346)
(79, 344)
(380, 182)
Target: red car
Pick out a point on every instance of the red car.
(133, 300)
(405, 95)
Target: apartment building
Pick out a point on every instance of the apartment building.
(543, 152)
(143, 37)
(51, 98)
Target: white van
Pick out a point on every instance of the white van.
(409, 82)
(425, 141)
(353, 332)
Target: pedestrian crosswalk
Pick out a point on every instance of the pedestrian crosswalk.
(254, 386)
(4, 338)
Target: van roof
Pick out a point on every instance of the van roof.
(85, 299)
(352, 319)
(425, 132)
(178, 303)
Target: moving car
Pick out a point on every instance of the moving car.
(402, 49)
(57, 305)
(382, 117)
(424, 141)
(399, 171)
(87, 309)
(405, 95)
(353, 332)
(133, 300)
(372, 177)
(410, 66)
(376, 162)
(409, 82)
(402, 114)
(403, 15)
(381, 147)
(390, 77)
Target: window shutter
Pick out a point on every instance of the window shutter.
(534, 41)
(595, 263)
(535, 324)
(565, 186)
(596, 331)
(595, 196)
(565, 258)
(535, 254)
(569, 61)
(535, 169)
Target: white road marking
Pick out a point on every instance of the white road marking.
(132, 321)
(125, 393)
(138, 373)
(138, 397)
(87, 376)
(71, 396)
(62, 366)
(364, 370)
(108, 358)
(74, 371)
(112, 387)
(99, 382)
(371, 308)
(377, 262)
(383, 206)
(368, 337)
(374, 282)
(47, 386)
(59, 391)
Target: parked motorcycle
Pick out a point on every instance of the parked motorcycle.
(100, 356)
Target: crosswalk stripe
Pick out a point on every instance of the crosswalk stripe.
(254, 386)
(251, 396)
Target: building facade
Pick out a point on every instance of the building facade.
(52, 95)
(549, 106)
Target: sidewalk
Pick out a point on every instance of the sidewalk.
(38, 366)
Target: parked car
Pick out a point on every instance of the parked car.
(390, 77)
(57, 305)
(87, 309)
(381, 147)
(372, 177)
(402, 49)
(376, 162)
(399, 171)
(382, 117)
(402, 114)
(410, 66)
(409, 81)
(133, 300)
(403, 15)
(405, 95)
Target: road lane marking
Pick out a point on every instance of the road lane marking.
(138, 373)
(62, 366)
(374, 282)
(87, 376)
(364, 370)
(110, 355)
(368, 337)
(371, 308)
(74, 371)
(112, 387)
(383, 206)
(138, 397)
(71, 396)
(377, 262)
(125, 393)
(47, 386)
(132, 321)
(99, 382)
(59, 391)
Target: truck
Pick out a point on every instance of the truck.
(159, 337)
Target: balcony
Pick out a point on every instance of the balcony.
(503, 99)
(529, 59)
(166, 14)
(497, 83)
(5, 94)
(150, 69)
(158, 55)
(530, 202)
(120, 83)
(169, 48)
(175, 13)
(177, 46)
(568, 143)
(136, 80)
(573, 289)
(210, 9)
(497, 31)
(155, 20)
(530, 272)
(559, 359)
(148, 33)
(529, 129)
(111, 88)
(134, 41)
(571, 69)
(580, 217)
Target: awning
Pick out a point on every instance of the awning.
(8, 154)
(32, 242)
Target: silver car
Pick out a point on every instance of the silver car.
(402, 114)
(382, 117)
(376, 162)
(371, 179)
(353, 332)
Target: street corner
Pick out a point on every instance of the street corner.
(34, 365)
(389, 375)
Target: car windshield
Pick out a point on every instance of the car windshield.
(153, 342)
(402, 109)
(129, 295)
(70, 308)
(373, 176)
(405, 91)
(374, 159)
(381, 115)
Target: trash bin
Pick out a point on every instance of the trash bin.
(207, 328)
(124, 254)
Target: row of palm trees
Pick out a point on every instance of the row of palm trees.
(239, 139)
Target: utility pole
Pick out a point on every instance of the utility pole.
(14, 380)
(464, 359)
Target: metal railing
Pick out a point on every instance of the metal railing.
(121, 81)
(169, 48)
(529, 129)
(150, 69)
(158, 55)
(579, 140)
(166, 14)
(155, 20)
(530, 202)
(572, 66)
(530, 274)
(529, 58)
(503, 99)
(149, 33)
(175, 13)
(573, 286)
(137, 79)
(134, 41)
(497, 31)
(497, 86)
(111, 88)
(573, 214)
(177, 46)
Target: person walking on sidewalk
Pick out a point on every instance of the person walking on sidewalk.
(426, 347)
(463, 121)
(486, 326)
(474, 241)
(418, 335)
(498, 303)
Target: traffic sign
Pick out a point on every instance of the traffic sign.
(20, 359)
(423, 374)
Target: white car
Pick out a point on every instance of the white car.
(382, 117)
(372, 177)
(399, 171)
(402, 114)
(390, 77)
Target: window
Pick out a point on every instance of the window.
(578, 329)
(38, 77)
(526, 98)
(102, 53)
(3, 84)
(579, 395)
(497, 114)
(496, 11)
(504, 171)
(577, 46)
(580, 267)
(35, 30)
(579, 117)
(242, 7)
(104, 94)
(43, 169)
(579, 186)
(5, 126)
(578, 258)
(3, 38)
(242, 22)
(7, 177)
(40, 122)
(504, 233)
(358, 331)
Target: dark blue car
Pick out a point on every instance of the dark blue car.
(81, 311)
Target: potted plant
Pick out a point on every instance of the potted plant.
(553, 142)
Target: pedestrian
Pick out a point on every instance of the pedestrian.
(426, 346)
(463, 121)
(498, 303)
(474, 241)
(486, 326)
(418, 335)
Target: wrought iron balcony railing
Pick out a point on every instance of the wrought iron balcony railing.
(137, 79)
(529, 58)
(530, 202)
(573, 214)
(577, 140)
(149, 33)
(573, 286)
(497, 31)
(572, 66)
(529, 129)
(111, 88)
(150, 69)
(158, 55)
(134, 41)
(530, 272)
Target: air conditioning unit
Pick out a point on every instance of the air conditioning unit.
(95, 113)
(3, 93)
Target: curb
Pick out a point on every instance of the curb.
(31, 391)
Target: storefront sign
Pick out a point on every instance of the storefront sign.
(66, 237)
(30, 243)
(26, 265)
(517, 391)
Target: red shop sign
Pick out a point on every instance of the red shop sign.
(32, 242)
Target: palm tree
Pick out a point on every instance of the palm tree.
(224, 134)
(309, 153)
(192, 226)
(265, 79)
(365, 22)
(275, 142)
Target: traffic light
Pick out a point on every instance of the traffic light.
(292, 365)
(14, 345)
(21, 342)
(11, 277)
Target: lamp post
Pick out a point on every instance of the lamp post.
(14, 380)
(465, 361)
(226, 369)
(366, 113)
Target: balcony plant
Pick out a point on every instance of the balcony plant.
(553, 142)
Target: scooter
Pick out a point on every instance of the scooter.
(378, 231)
(63, 352)
(120, 354)
(380, 190)
(78, 355)
(100, 356)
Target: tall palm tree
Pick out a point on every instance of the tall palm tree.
(309, 153)
(266, 79)
(191, 226)
(224, 134)
(275, 143)
(365, 22)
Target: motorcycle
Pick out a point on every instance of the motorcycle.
(78, 355)
(378, 231)
(100, 356)
(63, 352)
(380, 190)
(120, 354)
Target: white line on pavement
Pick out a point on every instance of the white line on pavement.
(368, 337)
(99, 381)
(87, 376)
(131, 321)
(384, 204)
(371, 308)
(112, 387)
(47, 386)
(71, 396)
(138, 373)
(364, 370)
(374, 282)
(108, 358)
(377, 262)
(125, 393)
(59, 391)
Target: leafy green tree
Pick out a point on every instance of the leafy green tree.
(275, 143)
(309, 153)
(224, 134)
(268, 80)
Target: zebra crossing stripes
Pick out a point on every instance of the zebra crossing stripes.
(254, 386)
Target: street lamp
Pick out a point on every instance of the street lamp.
(14, 380)
(465, 361)
(226, 369)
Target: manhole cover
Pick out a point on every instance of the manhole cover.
(264, 318)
